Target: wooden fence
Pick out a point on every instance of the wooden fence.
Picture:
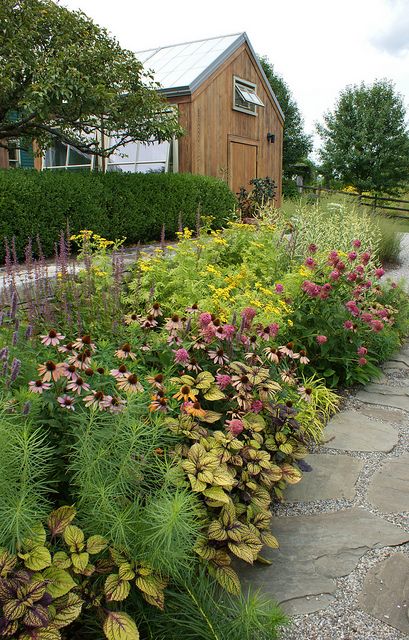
(374, 202)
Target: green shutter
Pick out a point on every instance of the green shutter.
(26, 159)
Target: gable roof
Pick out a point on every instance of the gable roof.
(181, 68)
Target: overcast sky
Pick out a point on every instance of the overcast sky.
(318, 46)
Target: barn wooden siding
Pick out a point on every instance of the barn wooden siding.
(222, 142)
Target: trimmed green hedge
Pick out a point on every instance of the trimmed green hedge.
(113, 204)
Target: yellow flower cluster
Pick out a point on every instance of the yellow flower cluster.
(185, 234)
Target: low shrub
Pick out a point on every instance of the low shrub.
(135, 206)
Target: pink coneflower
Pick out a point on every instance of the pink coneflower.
(243, 401)
(78, 385)
(272, 355)
(362, 361)
(362, 351)
(287, 377)
(235, 426)
(193, 309)
(125, 352)
(95, 399)
(67, 348)
(53, 338)
(348, 324)
(352, 255)
(321, 339)
(279, 288)
(69, 371)
(155, 310)
(174, 339)
(218, 356)
(209, 332)
(130, 318)
(66, 402)
(84, 342)
(120, 372)
(241, 382)
(181, 356)
(263, 332)
(303, 357)
(305, 393)
(193, 365)
(50, 371)
(325, 291)
(379, 272)
(287, 350)
(148, 323)
(377, 325)
(156, 380)
(130, 383)
(312, 248)
(81, 360)
(158, 403)
(223, 380)
(174, 323)
(114, 404)
(256, 406)
(356, 243)
(38, 386)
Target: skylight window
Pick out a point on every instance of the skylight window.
(245, 97)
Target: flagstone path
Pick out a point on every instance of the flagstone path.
(342, 569)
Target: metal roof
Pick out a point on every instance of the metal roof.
(181, 68)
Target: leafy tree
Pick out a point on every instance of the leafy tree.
(297, 144)
(366, 141)
(64, 77)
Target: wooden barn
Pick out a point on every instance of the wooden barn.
(232, 120)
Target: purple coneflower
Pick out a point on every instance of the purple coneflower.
(174, 323)
(66, 402)
(95, 399)
(148, 323)
(159, 403)
(38, 386)
(67, 348)
(305, 393)
(130, 318)
(218, 356)
(120, 372)
(125, 352)
(78, 385)
(84, 342)
(114, 404)
(272, 355)
(193, 365)
(303, 357)
(53, 338)
(50, 371)
(155, 310)
(130, 384)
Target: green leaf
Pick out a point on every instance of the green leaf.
(68, 608)
(126, 572)
(217, 494)
(60, 581)
(96, 544)
(228, 579)
(214, 394)
(36, 616)
(61, 560)
(14, 609)
(37, 559)
(7, 562)
(115, 588)
(242, 551)
(74, 537)
(119, 626)
(37, 538)
(60, 519)
(80, 560)
(150, 585)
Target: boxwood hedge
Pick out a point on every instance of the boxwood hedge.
(113, 204)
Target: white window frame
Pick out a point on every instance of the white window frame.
(90, 166)
(173, 147)
(248, 92)
(15, 164)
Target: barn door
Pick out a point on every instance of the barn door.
(242, 164)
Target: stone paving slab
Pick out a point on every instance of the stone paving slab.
(354, 431)
(385, 594)
(332, 477)
(387, 414)
(314, 549)
(385, 395)
(389, 487)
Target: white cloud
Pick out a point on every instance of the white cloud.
(393, 38)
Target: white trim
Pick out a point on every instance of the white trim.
(248, 92)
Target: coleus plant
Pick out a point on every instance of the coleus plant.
(47, 584)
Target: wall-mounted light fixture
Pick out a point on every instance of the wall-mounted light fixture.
(271, 137)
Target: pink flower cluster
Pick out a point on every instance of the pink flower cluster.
(315, 290)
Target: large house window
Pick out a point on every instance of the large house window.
(134, 157)
(245, 96)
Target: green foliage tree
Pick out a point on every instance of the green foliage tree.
(366, 140)
(297, 144)
(64, 77)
